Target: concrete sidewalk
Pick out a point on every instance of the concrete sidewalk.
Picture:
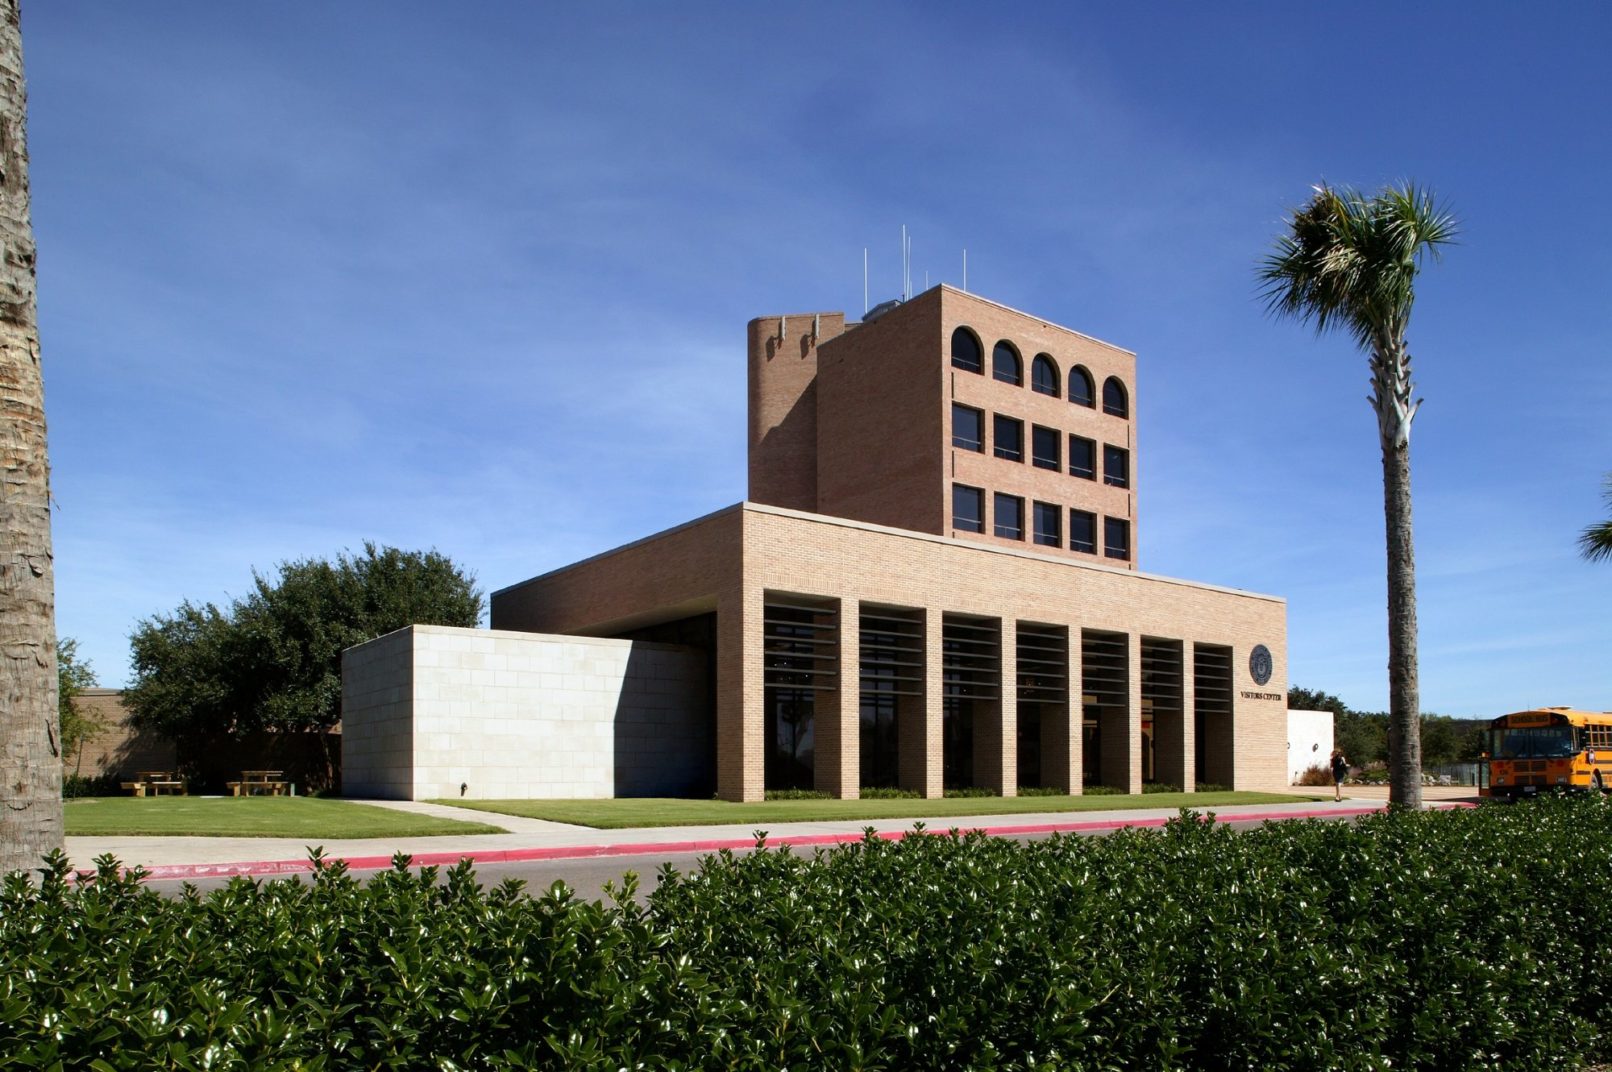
(536, 839)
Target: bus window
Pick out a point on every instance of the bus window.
(1534, 742)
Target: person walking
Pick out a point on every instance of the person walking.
(1340, 771)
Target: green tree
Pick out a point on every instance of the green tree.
(1349, 261)
(273, 659)
(1361, 737)
(30, 761)
(1303, 699)
(1595, 542)
(186, 679)
(1441, 740)
(78, 727)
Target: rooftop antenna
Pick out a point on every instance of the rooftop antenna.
(864, 280)
(965, 269)
(904, 276)
(908, 279)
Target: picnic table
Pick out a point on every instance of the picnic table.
(271, 782)
(155, 783)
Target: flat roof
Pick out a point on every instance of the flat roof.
(908, 534)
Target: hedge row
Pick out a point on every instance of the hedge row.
(1408, 941)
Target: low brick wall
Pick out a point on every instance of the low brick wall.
(119, 749)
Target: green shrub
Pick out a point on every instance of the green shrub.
(90, 785)
(1103, 790)
(799, 794)
(1377, 774)
(885, 792)
(1455, 940)
(1211, 787)
(1159, 787)
(1041, 791)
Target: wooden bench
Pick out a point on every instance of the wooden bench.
(151, 783)
(253, 782)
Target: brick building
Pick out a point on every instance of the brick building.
(932, 584)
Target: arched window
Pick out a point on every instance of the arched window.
(1044, 376)
(1114, 400)
(1080, 386)
(1005, 365)
(966, 353)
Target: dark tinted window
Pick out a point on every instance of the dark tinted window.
(1082, 457)
(1048, 524)
(968, 508)
(1116, 538)
(1044, 375)
(1080, 386)
(1005, 364)
(1116, 466)
(1114, 400)
(1009, 516)
(1083, 531)
(1044, 444)
(966, 352)
(1007, 438)
(968, 427)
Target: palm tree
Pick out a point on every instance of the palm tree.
(1596, 541)
(1349, 262)
(30, 759)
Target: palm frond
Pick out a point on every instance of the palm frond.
(1595, 542)
(1349, 261)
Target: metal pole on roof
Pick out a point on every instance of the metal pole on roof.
(864, 280)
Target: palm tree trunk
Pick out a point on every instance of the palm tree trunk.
(1404, 701)
(30, 759)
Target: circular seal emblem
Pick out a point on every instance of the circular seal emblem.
(1259, 664)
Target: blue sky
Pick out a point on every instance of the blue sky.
(476, 277)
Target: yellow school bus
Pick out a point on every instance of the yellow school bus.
(1551, 748)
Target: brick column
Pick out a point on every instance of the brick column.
(741, 762)
(1133, 716)
(918, 728)
(1189, 722)
(1077, 714)
(838, 724)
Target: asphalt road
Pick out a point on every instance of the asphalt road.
(586, 877)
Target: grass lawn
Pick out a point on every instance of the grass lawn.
(665, 811)
(290, 817)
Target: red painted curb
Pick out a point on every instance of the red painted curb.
(647, 848)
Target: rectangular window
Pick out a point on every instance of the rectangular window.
(1116, 466)
(1116, 538)
(968, 508)
(968, 427)
(1009, 516)
(1044, 448)
(1082, 457)
(1083, 531)
(1007, 434)
(1048, 524)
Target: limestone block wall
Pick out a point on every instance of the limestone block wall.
(377, 740)
(1309, 741)
(492, 714)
